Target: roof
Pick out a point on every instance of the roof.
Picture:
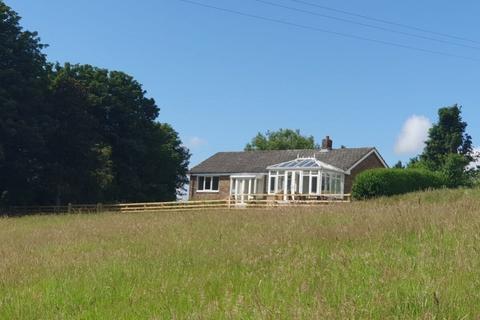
(258, 161)
(303, 164)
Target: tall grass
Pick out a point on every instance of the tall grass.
(415, 256)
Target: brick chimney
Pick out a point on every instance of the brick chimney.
(327, 143)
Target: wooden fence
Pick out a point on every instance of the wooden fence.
(247, 201)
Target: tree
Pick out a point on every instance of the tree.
(447, 137)
(455, 171)
(448, 149)
(148, 161)
(166, 168)
(283, 139)
(399, 165)
(78, 133)
(23, 116)
(77, 156)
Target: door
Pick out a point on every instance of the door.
(293, 184)
(243, 187)
(238, 190)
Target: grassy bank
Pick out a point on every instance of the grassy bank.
(415, 256)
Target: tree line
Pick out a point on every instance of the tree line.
(446, 161)
(448, 150)
(78, 133)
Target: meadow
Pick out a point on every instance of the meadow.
(411, 257)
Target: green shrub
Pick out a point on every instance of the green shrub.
(386, 182)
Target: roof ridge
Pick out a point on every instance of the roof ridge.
(280, 150)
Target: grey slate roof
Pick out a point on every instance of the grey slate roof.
(258, 161)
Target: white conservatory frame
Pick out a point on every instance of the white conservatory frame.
(289, 178)
(244, 186)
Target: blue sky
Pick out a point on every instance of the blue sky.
(220, 78)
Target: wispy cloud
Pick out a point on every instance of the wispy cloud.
(196, 142)
(414, 133)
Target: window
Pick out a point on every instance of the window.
(326, 183)
(215, 182)
(281, 183)
(313, 187)
(272, 184)
(201, 183)
(337, 184)
(208, 183)
(331, 183)
(305, 186)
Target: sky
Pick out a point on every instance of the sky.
(219, 77)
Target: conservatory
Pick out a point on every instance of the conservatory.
(305, 178)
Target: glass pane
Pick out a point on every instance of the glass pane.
(297, 182)
(200, 183)
(309, 164)
(306, 187)
(281, 180)
(291, 164)
(313, 188)
(245, 186)
(272, 184)
(302, 163)
(208, 183)
(289, 182)
(326, 183)
(215, 183)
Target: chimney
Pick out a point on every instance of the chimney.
(327, 143)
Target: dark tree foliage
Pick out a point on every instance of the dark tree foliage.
(23, 88)
(283, 139)
(77, 133)
(148, 160)
(73, 140)
(387, 182)
(399, 165)
(446, 137)
(448, 149)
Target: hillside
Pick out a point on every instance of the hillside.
(414, 256)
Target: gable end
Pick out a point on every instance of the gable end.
(366, 156)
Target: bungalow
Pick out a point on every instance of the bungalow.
(281, 174)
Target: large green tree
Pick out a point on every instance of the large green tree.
(283, 139)
(148, 160)
(77, 133)
(23, 116)
(447, 136)
(448, 148)
(75, 146)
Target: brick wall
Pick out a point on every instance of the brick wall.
(370, 162)
(222, 193)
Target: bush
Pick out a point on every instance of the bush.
(387, 182)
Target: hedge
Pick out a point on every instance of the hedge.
(387, 182)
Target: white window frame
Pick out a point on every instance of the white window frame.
(316, 176)
(203, 190)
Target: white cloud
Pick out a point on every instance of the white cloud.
(476, 163)
(414, 133)
(196, 142)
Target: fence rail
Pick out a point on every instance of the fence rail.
(233, 202)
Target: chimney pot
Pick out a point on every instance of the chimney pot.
(327, 143)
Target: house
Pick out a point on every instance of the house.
(281, 174)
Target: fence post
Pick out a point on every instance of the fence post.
(69, 208)
(99, 207)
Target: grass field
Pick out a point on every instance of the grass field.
(416, 256)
